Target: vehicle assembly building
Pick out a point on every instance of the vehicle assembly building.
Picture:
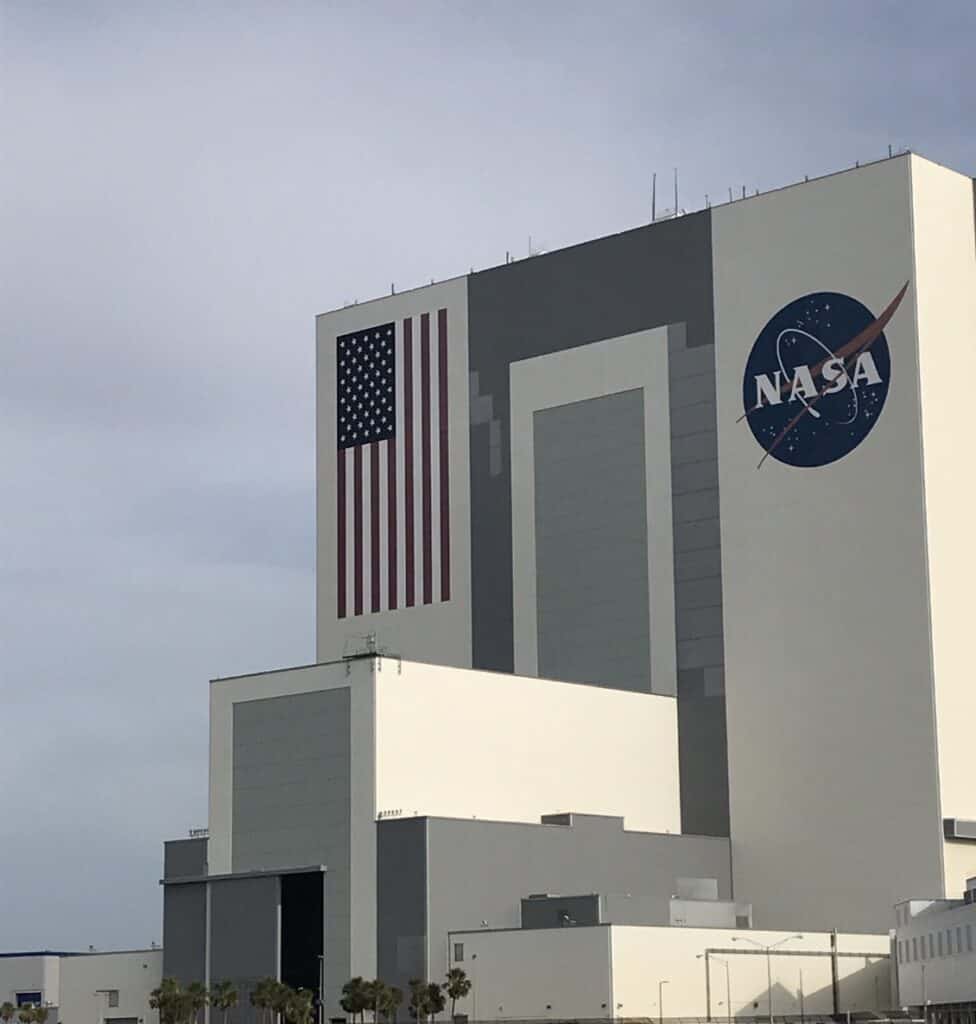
(643, 681)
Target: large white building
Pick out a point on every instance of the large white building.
(644, 571)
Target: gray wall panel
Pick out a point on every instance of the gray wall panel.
(591, 542)
(480, 870)
(291, 799)
(184, 858)
(401, 900)
(699, 626)
(185, 932)
(244, 934)
(649, 277)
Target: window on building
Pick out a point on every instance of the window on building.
(948, 942)
(959, 939)
(914, 949)
(458, 951)
(113, 997)
(939, 941)
(28, 998)
(969, 937)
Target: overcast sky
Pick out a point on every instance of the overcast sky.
(183, 187)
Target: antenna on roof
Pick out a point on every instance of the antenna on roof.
(676, 192)
(653, 197)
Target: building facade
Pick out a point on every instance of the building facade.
(643, 571)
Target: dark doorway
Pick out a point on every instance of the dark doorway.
(302, 929)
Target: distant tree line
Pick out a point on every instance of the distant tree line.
(427, 998)
(277, 1003)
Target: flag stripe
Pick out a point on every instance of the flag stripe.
(408, 509)
(357, 529)
(374, 525)
(425, 451)
(391, 521)
(341, 533)
(444, 471)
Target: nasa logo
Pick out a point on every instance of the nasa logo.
(817, 378)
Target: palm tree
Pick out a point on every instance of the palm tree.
(457, 986)
(197, 998)
(390, 1001)
(170, 999)
(26, 1014)
(354, 997)
(40, 1015)
(418, 1005)
(7, 1012)
(298, 1006)
(263, 996)
(373, 992)
(223, 997)
(280, 994)
(435, 999)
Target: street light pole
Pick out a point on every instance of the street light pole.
(769, 962)
(660, 1001)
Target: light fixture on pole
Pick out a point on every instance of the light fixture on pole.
(660, 1000)
(769, 962)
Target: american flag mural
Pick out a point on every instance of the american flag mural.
(393, 531)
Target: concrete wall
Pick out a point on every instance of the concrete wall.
(537, 974)
(583, 972)
(480, 870)
(826, 611)
(132, 974)
(945, 274)
(461, 743)
(37, 973)
(948, 961)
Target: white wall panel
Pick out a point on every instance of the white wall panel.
(945, 272)
(832, 755)
(462, 743)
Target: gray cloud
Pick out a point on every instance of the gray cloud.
(183, 187)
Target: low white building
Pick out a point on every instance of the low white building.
(84, 988)
(935, 947)
(616, 971)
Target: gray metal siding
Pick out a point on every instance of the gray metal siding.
(291, 801)
(480, 870)
(185, 932)
(591, 542)
(401, 900)
(703, 755)
(649, 277)
(244, 934)
(185, 858)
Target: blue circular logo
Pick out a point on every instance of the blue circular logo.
(817, 378)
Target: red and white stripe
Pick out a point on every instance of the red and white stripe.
(393, 531)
